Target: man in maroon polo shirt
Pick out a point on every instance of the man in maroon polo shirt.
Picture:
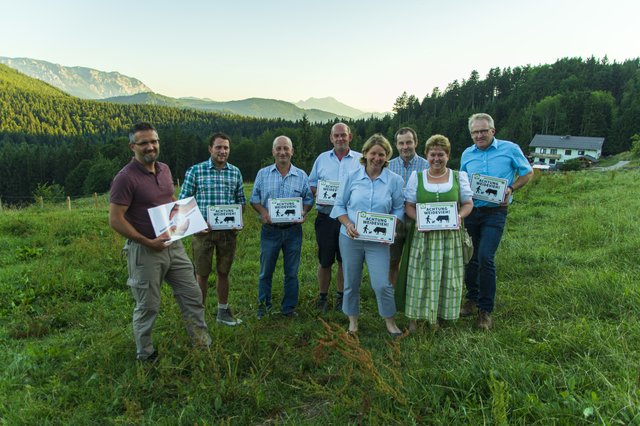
(140, 185)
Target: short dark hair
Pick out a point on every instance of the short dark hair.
(219, 135)
(405, 130)
(139, 127)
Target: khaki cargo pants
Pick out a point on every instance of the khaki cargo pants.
(147, 269)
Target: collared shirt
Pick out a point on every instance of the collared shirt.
(139, 189)
(399, 167)
(328, 167)
(501, 159)
(213, 187)
(359, 193)
(271, 184)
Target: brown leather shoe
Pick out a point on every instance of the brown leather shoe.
(468, 308)
(484, 320)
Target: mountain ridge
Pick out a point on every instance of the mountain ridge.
(113, 87)
(81, 82)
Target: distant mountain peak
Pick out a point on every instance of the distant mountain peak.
(82, 82)
(333, 105)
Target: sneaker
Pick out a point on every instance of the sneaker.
(468, 308)
(151, 358)
(322, 305)
(484, 321)
(226, 317)
(263, 310)
(291, 314)
(338, 306)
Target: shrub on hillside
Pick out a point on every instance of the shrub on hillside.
(570, 165)
(635, 145)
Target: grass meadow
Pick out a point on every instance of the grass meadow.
(564, 349)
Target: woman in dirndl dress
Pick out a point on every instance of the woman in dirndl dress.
(435, 274)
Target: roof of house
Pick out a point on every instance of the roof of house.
(566, 142)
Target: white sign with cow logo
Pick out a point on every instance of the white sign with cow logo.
(285, 210)
(327, 191)
(376, 227)
(437, 216)
(225, 217)
(488, 188)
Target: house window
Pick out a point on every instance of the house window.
(552, 161)
(543, 151)
(554, 151)
(567, 152)
(580, 152)
(541, 160)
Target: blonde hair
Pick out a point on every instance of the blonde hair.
(437, 141)
(374, 140)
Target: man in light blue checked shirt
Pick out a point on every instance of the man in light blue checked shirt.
(215, 182)
(280, 180)
(404, 164)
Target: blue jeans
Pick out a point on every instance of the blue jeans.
(272, 240)
(485, 226)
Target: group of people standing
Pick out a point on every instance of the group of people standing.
(427, 266)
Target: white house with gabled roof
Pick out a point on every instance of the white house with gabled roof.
(552, 149)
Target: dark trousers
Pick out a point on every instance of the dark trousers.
(485, 226)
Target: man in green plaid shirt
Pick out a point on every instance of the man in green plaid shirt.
(215, 182)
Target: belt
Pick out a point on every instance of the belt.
(281, 226)
(491, 209)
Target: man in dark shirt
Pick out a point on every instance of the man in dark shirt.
(140, 185)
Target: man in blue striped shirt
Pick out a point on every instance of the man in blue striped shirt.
(280, 180)
(215, 182)
(404, 164)
(331, 165)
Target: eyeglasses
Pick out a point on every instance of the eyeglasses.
(153, 142)
(480, 132)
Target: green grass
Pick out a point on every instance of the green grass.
(564, 349)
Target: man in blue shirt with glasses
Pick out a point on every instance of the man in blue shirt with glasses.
(502, 159)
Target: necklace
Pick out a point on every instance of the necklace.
(436, 177)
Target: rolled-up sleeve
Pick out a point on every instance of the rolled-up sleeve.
(257, 187)
(307, 195)
(397, 195)
(342, 199)
(410, 191)
(465, 187)
(520, 162)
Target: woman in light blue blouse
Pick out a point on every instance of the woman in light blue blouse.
(374, 189)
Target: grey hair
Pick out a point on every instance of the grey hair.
(481, 116)
(281, 136)
(341, 124)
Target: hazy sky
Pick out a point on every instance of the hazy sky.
(364, 53)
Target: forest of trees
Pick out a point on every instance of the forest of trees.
(48, 137)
